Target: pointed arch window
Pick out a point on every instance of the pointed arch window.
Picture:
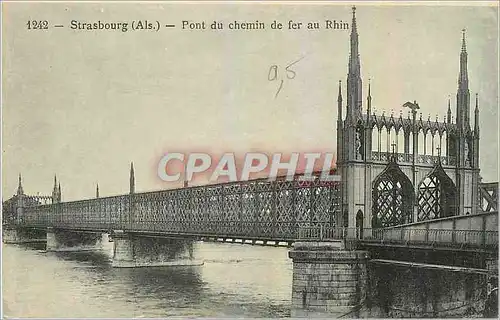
(359, 225)
(392, 198)
(436, 196)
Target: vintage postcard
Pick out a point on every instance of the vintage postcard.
(250, 159)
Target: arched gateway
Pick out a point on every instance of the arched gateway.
(436, 196)
(392, 198)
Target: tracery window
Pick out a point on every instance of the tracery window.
(392, 198)
(436, 196)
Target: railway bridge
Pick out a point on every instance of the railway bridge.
(410, 208)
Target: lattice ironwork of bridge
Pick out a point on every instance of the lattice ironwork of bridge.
(257, 209)
(488, 193)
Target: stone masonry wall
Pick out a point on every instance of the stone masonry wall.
(327, 279)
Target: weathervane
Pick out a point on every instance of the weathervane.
(412, 105)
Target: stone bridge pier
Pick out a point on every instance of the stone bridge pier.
(327, 278)
(16, 235)
(132, 250)
(65, 240)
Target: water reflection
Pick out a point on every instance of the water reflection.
(178, 283)
(235, 281)
(33, 245)
(92, 258)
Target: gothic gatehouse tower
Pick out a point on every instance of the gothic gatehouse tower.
(400, 169)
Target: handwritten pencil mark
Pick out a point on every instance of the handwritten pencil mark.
(274, 74)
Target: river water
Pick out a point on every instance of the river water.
(235, 281)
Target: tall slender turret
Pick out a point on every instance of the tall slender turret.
(20, 199)
(476, 117)
(20, 186)
(463, 143)
(132, 178)
(354, 83)
(340, 138)
(353, 134)
(54, 190)
(463, 96)
(463, 146)
(475, 135)
(97, 191)
(339, 102)
(368, 130)
(369, 101)
(448, 116)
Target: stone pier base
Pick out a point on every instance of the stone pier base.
(327, 278)
(131, 251)
(64, 240)
(13, 235)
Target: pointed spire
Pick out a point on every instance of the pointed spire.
(340, 125)
(339, 103)
(20, 186)
(463, 78)
(463, 96)
(354, 83)
(56, 193)
(59, 194)
(476, 116)
(369, 100)
(339, 97)
(97, 191)
(448, 119)
(464, 46)
(54, 190)
(354, 27)
(132, 178)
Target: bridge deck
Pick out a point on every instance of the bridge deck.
(429, 266)
(257, 210)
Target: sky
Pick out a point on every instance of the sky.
(84, 104)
